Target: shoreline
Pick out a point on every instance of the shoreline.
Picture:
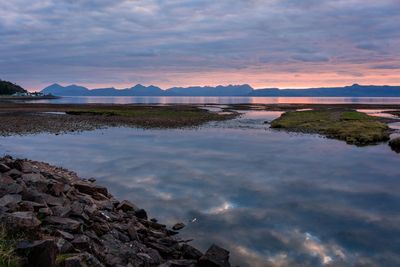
(52, 218)
(27, 98)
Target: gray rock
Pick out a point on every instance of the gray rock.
(215, 257)
(64, 223)
(125, 206)
(23, 219)
(178, 226)
(190, 252)
(65, 235)
(8, 199)
(90, 188)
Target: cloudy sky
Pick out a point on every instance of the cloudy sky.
(266, 43)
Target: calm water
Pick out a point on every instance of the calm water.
(222, 100)
(271, 198)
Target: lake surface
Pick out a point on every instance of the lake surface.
(221, 100)
(270, 197)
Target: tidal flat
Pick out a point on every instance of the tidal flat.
(270, 197)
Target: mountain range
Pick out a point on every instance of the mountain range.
(354, 90)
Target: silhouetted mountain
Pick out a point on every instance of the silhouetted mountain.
(9, 88)
(71, 90)
(231, 90)
(348, 91)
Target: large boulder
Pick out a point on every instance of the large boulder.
(41, 253)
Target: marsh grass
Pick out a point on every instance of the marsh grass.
(350, 126)
(8, 257)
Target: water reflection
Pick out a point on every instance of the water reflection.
(221, 100)
(272, 198)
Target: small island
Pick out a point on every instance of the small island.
(348, 125)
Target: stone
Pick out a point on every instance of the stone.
(30, 206)
(81, 242)
(39, 253)
(61, 211)
(13, 173)
(64, 246)
(215, 257)
(65, 235)
(132, 232)
(32, 177)
(4, 167)
(189, 252)
(56, 189)
(64, 223)
(178, 226)
(90, 188)
(8, 199)
(45, 211)
(53, 201)
(141, 214)
(125, 206)
(178, 263)
(23, 219)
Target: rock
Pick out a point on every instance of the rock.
(65, 235)
(13, 173)
(32, 177)
(81, 242)
(178, 263)
(61, 211)
(8, 199)
(89, 188)
(178, 226)
(56, 189)
(141, 214)
(81, 260)
(4, 167)
(132, 232)
(395, 144)
(64, 246)
(30, 206)
(23, 219)
(39, 253)
(9, 186)
(64, 223)
(215, 257)
(190, 252)
(125, 206)
(81, 218)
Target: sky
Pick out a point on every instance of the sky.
(270, 43)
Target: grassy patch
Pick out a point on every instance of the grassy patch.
(350, 126)
(8, 257)
(151, 116)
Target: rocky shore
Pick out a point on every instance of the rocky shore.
(26, 118)
(51, 217)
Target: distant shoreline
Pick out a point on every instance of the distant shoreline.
(9, 97)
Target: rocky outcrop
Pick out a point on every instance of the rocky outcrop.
(67, 221)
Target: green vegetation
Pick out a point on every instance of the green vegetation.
(350, 126)
(8, 258)
(152, 116)
(8, 88)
